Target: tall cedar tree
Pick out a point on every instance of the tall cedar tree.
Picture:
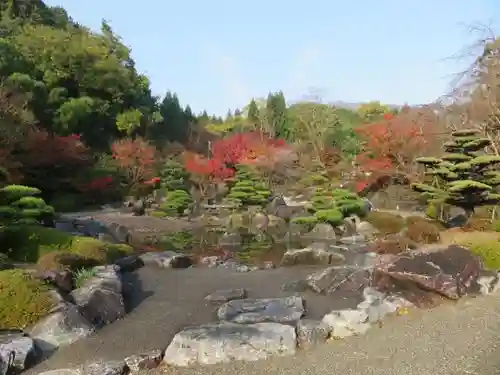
(277, 115)
(464, 177)
(253, 113)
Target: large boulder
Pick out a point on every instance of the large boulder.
(62, 327)
(167, 259)
(100, 298)
(279, 310)
(322, 232)
(19, 347)
(226, 342)
(316, 253)
(451, 271)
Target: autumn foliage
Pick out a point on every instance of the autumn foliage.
(135, 159)
(390, 147)
(251, 148)
(52, 163)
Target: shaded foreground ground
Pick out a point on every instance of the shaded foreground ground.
(453, 339)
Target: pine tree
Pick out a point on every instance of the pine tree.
(465, 176)
(277, 115)
(253, 113)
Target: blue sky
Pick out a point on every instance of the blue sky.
(219, 54)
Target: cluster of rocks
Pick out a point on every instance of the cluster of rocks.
(76, 315)
(254, 329)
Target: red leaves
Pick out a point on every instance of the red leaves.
(135, 158)
(44, 150)
(390, 146)
(99, 183)
(240, 148)
(210, 169)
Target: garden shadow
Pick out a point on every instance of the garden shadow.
(133, 292)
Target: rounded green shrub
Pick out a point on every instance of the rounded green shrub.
(24, 300)
(176, 202)
(333, 205)
(247, 189)
(173, 176)
(19, 205)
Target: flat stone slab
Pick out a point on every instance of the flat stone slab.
(227, 342)
(279, 310)
(225, 295)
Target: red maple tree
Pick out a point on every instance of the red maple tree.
(251, 148)
(390, 147)
(53, 163)
(135, 159)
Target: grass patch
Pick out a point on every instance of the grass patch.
(484, 244)
(386, 223)
(32, 243)
(82, 275)
(24, 300)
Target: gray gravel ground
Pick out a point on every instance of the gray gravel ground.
(453, 339)
(166, 301)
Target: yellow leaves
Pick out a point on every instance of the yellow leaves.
(401, 311)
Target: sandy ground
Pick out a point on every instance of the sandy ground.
(166, 301)
(453, 339)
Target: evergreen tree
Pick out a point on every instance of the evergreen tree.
(464, 177)
(277, 115)
(253, 113)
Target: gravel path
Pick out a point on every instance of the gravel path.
(166, 301)
(453, 339)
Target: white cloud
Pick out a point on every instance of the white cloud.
(228, 68)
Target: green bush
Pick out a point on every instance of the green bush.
(386, 223)
(176, 202)
(488, 250)
(19, 205)
(159, 214)
(333, 205)
(29, 243)
(84, 274)
(173, 176)
(496, 225)
(63, 260)
(247, 189)
(24, 300)
(178, 241)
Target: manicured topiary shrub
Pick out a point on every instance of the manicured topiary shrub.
(24, 300)
(247, 189)
(386, 223)
(20, 205)
(173, 176)
(176, 202)
(332, 206)
(464, 177)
